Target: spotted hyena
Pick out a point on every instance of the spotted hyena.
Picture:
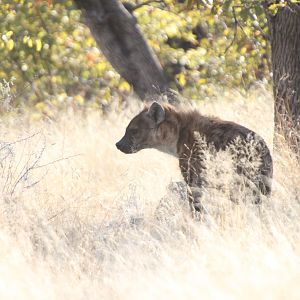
(188, 134)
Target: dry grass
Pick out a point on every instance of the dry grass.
(103, 225)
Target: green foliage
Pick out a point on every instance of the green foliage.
(54, 61)
(274, 7)
(231, 52)
(52, 56)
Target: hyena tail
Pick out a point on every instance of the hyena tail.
(261, 183)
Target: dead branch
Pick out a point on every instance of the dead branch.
(25, 171)
(57, 160)
(10, 166)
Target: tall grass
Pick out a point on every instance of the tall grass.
(81, 220)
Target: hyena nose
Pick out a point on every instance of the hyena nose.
(119, 145)
(123, 147)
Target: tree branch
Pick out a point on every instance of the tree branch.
(130, 7)
(122, 43)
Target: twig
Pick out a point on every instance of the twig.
(55, 215)
(11, 171)
(37, 181)
(236, 25)
(33, 165)
(20, 140)
(146, 3)
(57, 160)
(8, 178)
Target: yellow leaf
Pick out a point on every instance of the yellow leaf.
(90, 42)
(30, 44)
(38, 44)
(171, 30)
(40, 106)
(181, 79)
(10, 45)
(272, 7)
(243, 50)
(124, 86)
(202, 81)
(247, 31)
(101, 66)
(79, 99)
(9, 33)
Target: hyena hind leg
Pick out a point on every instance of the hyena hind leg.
(195, 196)
(245, 189)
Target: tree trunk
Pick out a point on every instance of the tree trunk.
(122, 43)
(285, 46)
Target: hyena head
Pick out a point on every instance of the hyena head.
(149, 129)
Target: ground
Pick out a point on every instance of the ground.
(81, 220)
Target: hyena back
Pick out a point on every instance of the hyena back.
(186, 135)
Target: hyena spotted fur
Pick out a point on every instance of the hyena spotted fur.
(188, 135)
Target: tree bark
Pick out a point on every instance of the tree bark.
(285, 47)
(122, 43)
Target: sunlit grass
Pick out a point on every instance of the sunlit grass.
(81, 220)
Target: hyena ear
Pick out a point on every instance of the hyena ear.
(156, 112)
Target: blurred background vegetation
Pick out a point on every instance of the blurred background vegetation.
(50, 58)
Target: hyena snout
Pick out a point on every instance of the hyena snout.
(124, 145)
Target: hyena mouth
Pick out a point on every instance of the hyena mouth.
(134, 150)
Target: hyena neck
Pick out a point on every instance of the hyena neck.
(177, 132)
(189, 123)
(169, 132)
(169, 149)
